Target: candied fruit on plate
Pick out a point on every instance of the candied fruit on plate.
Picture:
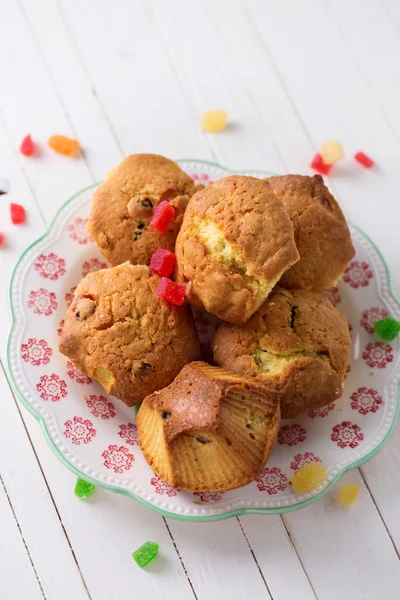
(309, 478)
(348, 493)
(143, 555)
(214, 120)
(387, 328)
(63, 145)
(332, 152)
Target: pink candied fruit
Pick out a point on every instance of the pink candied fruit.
(18, 215)
(27, 147)
(364, 160)
(2, 239)
(172, 292)
(162, 217)
(318, 165)
(162, 262)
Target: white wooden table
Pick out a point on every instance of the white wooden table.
(129, 76)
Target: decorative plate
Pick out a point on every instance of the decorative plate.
(94, 434)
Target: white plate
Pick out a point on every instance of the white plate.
(95, 435)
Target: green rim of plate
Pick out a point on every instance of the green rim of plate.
(165, 513)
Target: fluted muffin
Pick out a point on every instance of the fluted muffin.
(297, 344)
(235, 243)
(210, 430)
(321, 233)
(119, 332)
(124, 203)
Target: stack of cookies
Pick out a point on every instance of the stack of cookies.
(254, 253)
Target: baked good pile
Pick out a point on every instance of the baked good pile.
(253, 253)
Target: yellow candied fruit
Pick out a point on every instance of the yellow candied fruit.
(214, 120)
(331, 152)
(348, 493)
(309, 478)
(106, 378)
(63, 145)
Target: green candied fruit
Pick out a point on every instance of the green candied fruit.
(137, 407)
(83, 489)
(145, 553)
(387, 328)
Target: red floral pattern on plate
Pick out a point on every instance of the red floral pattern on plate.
(92, 265)
(51, 387)
(101, 407)
(77, 231)
(358, 274)
(42, 302)
(321, 412)
(368, 317)
(69, 296)
(209, 496)
(50, 266)
(79, 430)
(291, 435)
(60, 327)
(162, 487)
(77, 375)
(301, 460)
(36, 352)
(128, 432)
(201, 178)
(347, 434)
(365, 400)
(333, 295)
(119, 459)
(377, 354)
(272, 481)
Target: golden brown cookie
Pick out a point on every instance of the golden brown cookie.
(210, 430)
(320, 231)
(235, 243)
(118, 331)
(297, 344)
(124, 203)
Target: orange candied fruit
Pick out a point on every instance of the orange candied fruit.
(63, 145)
(309, 478)
(348, 493)
(214, 120)
(332, 152)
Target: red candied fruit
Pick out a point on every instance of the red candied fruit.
(171, 292)
(2, 238)
(18, 215)
(318, 165)
(27, 147)
(162, 262)
(364, 160)
(162, 217)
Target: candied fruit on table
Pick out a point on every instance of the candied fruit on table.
(172, 292)
(2, 238)
(162, 262)
(331, 152)
(214, 120)
(63, 145)
(364, 160)
(83, 489)
(348, 493)
(28, 147)
(163, 215)
(18, 214)
(318, 165)
(143, 555)
(387, 328)
(309, 478)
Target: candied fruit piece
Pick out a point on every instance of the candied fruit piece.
(364, 160)
(387, 328)
(214, 120)
(171, 292)
(318, 165)
(145, 553)
(2, 238)
(309, 478)
(27, 147)
(331, 152)
(18, 214)
(137, 407)
(163, 215)
(162, 262)
(348, 493)
(63, 145)
(83, 489)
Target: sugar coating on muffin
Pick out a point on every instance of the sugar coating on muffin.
(119, 332)
(321, 233)
(210, 430)
(297, 343)
(235, 243)
(123, 206)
